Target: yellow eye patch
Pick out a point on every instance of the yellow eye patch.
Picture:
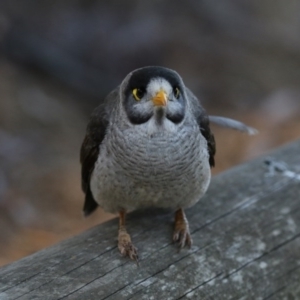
(137, 94)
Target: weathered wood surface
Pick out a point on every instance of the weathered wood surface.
(246, 234)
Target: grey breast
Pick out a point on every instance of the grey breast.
(164, 169)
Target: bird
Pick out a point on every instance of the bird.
(149, 144)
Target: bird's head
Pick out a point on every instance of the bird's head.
(153, 93)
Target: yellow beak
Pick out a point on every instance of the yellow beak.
(160, 98)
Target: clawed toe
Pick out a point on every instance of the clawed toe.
(126, 248)
(182, 237)
(182, 234)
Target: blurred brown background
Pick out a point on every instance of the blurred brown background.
(59, 58)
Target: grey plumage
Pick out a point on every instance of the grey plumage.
(232, 124)
(133, 166)
(148, 144)
(138, 169)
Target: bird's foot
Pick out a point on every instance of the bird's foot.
(181, 233)
(126, 247)
(182, 236)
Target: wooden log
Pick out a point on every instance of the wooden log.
(246, 233)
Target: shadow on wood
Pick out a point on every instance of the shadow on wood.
(246, 244)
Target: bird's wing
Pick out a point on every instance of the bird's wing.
(203, 122)
(232, 124)
(206, 132)
(91, 147)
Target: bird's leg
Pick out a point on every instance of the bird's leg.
(181, 233)
(125, 246)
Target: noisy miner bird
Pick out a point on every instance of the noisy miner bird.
(149, 144)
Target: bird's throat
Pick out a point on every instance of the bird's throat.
(159, 115)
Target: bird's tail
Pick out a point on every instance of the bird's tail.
(233, 124)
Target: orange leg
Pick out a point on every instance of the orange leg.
(181, 233)
(125, 246)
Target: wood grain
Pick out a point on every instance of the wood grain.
(246, 234)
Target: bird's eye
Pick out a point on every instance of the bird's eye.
(176, 92)
(138, 94)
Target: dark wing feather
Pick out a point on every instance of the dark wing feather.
(91, 146)
(203, 122)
